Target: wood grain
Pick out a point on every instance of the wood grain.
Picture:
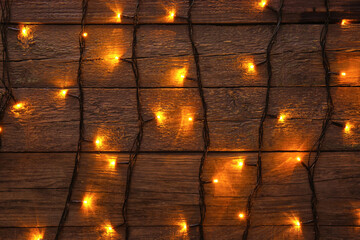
(155, 11)
(49, 122)
(225, 51)
(164, 192)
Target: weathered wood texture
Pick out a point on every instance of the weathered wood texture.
(164, 194)
(155, 11)
(49, 122)
(51, 59)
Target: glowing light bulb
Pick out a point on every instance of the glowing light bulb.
(344, 22)
(63, 92)
(251, 67)
(182, 76)
(241, 215)
(184, 227)
(18, 106)
(240, 163)
(347, 127)
(116, 58)
(87, 201)
(215, 180)
(158, 117)
(172, 14)
(119, 15)
(297, 223)
(298, 159)
(282, 118)
(109, 229)
(24, 31)
(190, 119)
(84, 34)
(1, 129)
(262, 4)
(343, 74)
(98, 142)
(113, 163)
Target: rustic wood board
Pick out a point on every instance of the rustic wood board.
(225, 51)
(50, 123)
(164, 194)
(155, 11)
(174, 232)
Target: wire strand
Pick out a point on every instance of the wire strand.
(7, 95)
(135, 149)
(81, 122)
(263, 118)
(205, 132)
(311, 164)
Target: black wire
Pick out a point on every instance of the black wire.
(81, 121)
(135, 149)
(205, 132)
(310, 166)
(263, 118)
(7, 95)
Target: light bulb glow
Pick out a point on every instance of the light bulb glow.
(18, 106)
(298, 159)
(109, 229)
(98, 142)
(282, 118)
(184, 227)
(215, 180)
(344, 22)
(119, 15)
(24, 31)
(87, 201)
(348, 127)
(190, 119)
(37, 234)
(171, 15)
(1, 129)
(63, 92)
(262, 4)
(251, 67)
(343, 74)
(84, 34)
(241, 215)
(116, 57)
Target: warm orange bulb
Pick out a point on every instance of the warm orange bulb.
(251, 67)
(190, 119)
(172, 14)
(262, 3)
(85, 34)
(24, 31)
(113, 163)
(182, 76)
(343, 74)
(347, 127)
(18, 106)
(158, 117)
(64, 92)
(116, 58)
(298, 159)
(216, 180)
(282, 118)
(119, 15)
(1, 129)
(184, 227)
(109, 229)
(87, 201)
(241, 215)
(98, 142)
(297, 223)
(241, 163)
(344, 22)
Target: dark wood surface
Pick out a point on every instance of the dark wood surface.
(39, 142)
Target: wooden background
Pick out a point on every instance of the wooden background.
(39, 142)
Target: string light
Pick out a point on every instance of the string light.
(190, 119)
(87, 202)
(84, 34)
(240, 163)
(109, 229)
(251, 67)
(184, 227)
(171, 15)
(24, 31)
(282, 118)
(119, 16)
(298, 159)
(112, 162)
(262, 3)
(18, 106)
(348, 127)
(343, 74)
(63, 92)
(215, 180)
(241, 215)
(1, 130)
(98, 142)
(344, 22)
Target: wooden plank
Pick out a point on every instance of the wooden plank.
(48, 122)
(164, 189)
(164, 51)
(155, 11)
(171, 232)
